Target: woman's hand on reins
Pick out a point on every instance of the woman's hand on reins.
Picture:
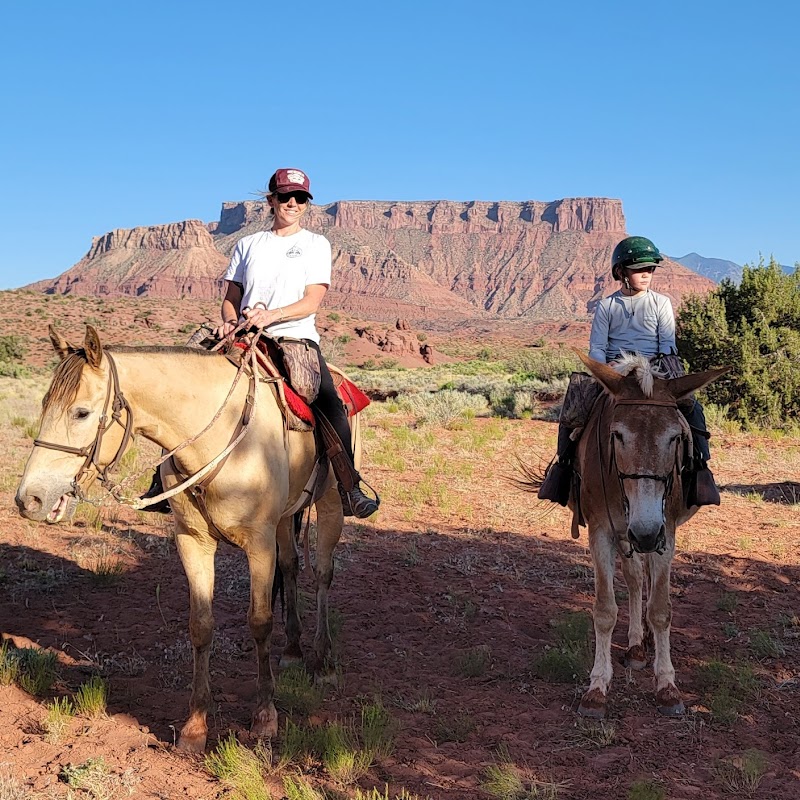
(224, 331)
(260, 317)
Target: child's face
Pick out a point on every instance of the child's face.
(639, 279)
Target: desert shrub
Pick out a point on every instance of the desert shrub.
(755, 329)
(443, 408)
(11, 348)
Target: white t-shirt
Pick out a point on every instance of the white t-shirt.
(275, 270)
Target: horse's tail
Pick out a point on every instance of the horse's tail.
(278, 582)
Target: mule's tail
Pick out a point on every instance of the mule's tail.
(527, 477)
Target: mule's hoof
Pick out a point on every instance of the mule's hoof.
(265, 723)
(669, 702)
(635, 657)
(593, 705)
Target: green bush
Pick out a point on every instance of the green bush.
(755, 329)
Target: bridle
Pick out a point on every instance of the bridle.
(92, 451)
(668, 479)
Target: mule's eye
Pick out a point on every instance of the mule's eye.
(80, 413)
(618, 436)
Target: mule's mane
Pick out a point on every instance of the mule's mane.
(645, 371)
(67, 377)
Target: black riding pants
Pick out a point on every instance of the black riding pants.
(697, 422)
(330, 404)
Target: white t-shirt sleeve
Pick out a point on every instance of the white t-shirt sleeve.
(598, 338)
(235, 271)
(319, 266)
(666, 326)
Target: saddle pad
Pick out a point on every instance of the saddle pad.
(353, 398)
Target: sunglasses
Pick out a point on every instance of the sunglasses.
(301, 198)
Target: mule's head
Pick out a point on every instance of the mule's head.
(73, 411)
(648, 437)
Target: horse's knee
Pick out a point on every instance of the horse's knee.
(261, 624)
(659, 618)
(201, 629)
(605, 616)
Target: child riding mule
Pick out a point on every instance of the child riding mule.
(629, 489)
(99, 397)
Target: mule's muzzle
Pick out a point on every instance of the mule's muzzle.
(648, 542)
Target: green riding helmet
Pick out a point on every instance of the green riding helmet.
(633, 251)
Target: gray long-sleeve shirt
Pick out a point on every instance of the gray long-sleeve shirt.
(644, 324)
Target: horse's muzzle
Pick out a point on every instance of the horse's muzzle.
(645, 542)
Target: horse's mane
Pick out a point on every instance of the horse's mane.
(645, 371)
(67, 377)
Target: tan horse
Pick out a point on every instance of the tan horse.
(98, 396)
(630, 492)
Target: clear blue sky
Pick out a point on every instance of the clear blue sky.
(118, 114)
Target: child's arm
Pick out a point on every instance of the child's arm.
(666, 327)
(598, 338)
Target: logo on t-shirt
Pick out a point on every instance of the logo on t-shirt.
(293, 252)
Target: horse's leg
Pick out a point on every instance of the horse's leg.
(197, 556)
(260, 550)
(593, 703)
(659, 618)
(288, 565)
(329, 529)
(636, 654)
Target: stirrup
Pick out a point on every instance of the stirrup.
(156, 488)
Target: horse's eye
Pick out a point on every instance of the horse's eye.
(618, 436)
(80, 413)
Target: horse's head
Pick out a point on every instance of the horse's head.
(75, 437)
(647, 439)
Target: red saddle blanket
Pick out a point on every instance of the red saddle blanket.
(353, 398)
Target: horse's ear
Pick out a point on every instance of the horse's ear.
(94, 350)
(685, 385)
(62, 347)
(607, 376)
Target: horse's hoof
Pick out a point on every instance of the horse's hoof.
(265, 723)
(593, 705)
(635, 657)
(290, 660)
(327, 678)
(195, 743)
(669, 702)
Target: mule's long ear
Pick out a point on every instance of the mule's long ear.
(94, 350)
(685, 385)
(62, 347)
(608, 376)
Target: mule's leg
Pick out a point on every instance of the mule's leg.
(329, 530)
(288, 563)
(636, 655)
(196, 552)
(260, 550)
(593, 703)
(659, 618)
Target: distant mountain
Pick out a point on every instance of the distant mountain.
(716, 268)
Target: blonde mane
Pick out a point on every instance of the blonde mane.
(645, 371)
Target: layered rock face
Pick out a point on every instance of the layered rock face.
(432, 263)
(174, 260)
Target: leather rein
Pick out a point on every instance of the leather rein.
(668, 479)
(118, 405)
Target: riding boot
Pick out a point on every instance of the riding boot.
(703, 489)
(156, 488)
(558, 478)
(356, 504)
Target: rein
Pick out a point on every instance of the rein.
(667, 479)
(119, 403)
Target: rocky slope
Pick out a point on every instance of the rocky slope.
(440, 261)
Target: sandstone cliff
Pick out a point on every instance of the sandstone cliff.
(432, 262)
(174, 260)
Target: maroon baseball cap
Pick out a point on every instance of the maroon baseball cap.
(290, 180)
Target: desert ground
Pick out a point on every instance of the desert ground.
(457, 610)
